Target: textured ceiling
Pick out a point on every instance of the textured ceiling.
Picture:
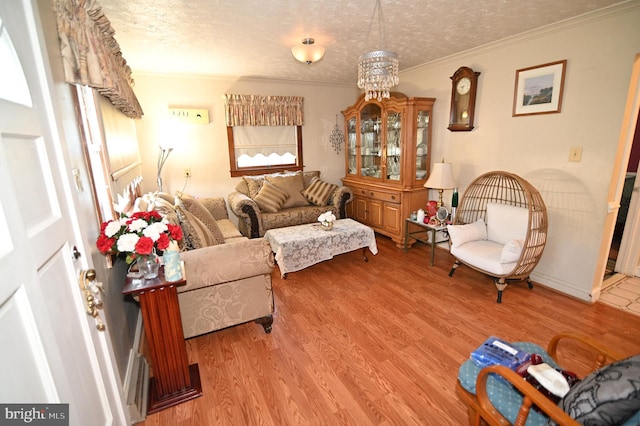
(253, 38)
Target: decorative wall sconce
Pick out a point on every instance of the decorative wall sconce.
(336, 137)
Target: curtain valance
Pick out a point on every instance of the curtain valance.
(256, 110)
(91, 56)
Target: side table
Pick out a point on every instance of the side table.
(420, 235)
(174, 381)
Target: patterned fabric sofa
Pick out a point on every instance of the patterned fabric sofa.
(228, 275)
(286, 199)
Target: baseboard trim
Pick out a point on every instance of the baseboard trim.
(136, 381)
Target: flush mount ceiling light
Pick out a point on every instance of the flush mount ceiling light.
(378, 69)
(308, 52)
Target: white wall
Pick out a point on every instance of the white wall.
(600, 50)
(204, 149)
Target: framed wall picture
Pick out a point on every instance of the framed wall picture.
(539, 89)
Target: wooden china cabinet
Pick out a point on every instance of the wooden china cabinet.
(387, 154)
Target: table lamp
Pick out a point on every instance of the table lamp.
(441, 178)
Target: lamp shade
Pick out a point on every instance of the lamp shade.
(308, 52)
(441, 177)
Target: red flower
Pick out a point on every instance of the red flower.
(163, 241)
(144, 246)
(104, 243)
(175, 231)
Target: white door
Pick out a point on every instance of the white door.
(51, 351)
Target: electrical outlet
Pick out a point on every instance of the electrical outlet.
(187, 172)
(575, 154)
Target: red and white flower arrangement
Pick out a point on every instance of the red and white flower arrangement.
(141, 234)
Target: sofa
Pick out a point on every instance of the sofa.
(284, 199)
(228, 275)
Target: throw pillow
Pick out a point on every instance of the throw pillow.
(319, 192)
(293, 185)
(196, 233)
(168, 211)
(242, 187)
(195, 207)
(270, 198)
(511, 251)
(610, 395)
(309, 176)
(254, 183)
(461, 234)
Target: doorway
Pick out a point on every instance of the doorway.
(613, 268)
(623, 221)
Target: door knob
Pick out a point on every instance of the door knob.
(91, 295)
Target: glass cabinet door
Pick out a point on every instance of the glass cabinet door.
(351, 146)
(394, 144)
(370, 136)
(422, 144)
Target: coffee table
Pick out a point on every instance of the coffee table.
(298, 247)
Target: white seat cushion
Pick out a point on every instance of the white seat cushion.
(485, 255)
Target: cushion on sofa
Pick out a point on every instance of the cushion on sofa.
(195, 207)
(292, 184)
(319, 192)
(506, 223)
(216, 206)
(196, 233)
(309, 176)
(270, 198)
(253, 183)
(461, 234)
(610, 395)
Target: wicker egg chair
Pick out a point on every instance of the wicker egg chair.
(506, 188)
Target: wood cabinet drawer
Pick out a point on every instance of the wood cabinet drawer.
(392, 197)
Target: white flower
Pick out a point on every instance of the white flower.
(327, 217)
(112, 228)
(138, 225)
(154, 230)
(127, 242)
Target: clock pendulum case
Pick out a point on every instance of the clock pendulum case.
(464, 84)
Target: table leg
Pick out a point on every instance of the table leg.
(364, 254)
(433, 246)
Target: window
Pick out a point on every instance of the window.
(264, 133)
(264, 149)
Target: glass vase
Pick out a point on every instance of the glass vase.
(148, 266)
(327, 226)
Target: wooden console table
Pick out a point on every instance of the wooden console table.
(174, 381)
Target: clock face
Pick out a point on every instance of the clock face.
(463, 86)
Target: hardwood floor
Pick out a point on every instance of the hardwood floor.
(375, 343)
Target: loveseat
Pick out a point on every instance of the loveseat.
(277, 200)
(228, 275)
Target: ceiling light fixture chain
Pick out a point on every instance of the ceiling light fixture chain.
(378, 69)
(336, 137)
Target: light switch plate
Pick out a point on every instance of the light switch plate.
(575, 154)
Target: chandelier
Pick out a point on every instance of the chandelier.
(378, 69)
